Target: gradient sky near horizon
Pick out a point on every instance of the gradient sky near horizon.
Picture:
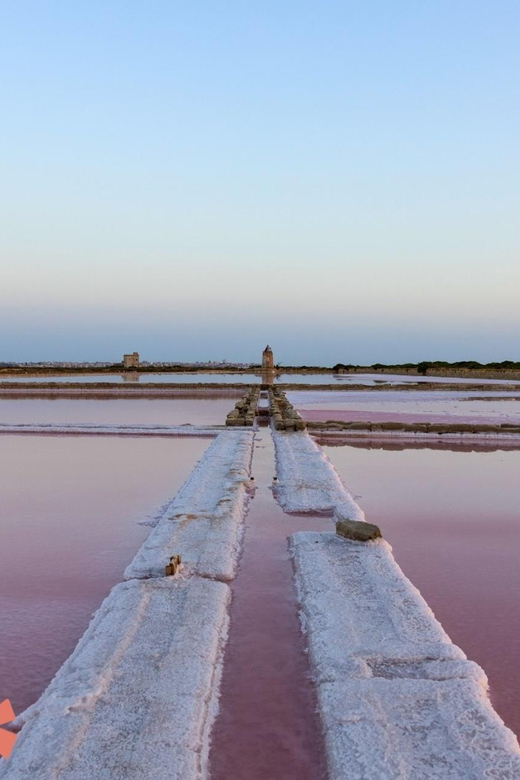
(194, 179)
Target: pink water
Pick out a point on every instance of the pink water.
(228, 378)
(346, 415)
(408, 406)
(267, 727)
(69, 517)
(117, 411)
(453, 519)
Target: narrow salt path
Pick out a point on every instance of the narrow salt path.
(267, 725)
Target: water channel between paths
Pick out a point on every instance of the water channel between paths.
(267, 726)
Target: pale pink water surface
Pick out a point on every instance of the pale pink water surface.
(248, 378)
(409, 406)
(453, 520)
(69, 517)
(346, 415)
(116, 411)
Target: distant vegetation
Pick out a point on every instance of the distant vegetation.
(425, 366)
(436, 365)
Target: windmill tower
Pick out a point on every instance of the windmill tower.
(267, 359)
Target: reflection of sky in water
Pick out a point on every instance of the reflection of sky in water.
(453, 519)
(69, 525)
(311, 379)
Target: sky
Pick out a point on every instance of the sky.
(194, 179)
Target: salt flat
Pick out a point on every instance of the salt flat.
(136, 699)
(307, 481)
(204, 522)
(397, 699)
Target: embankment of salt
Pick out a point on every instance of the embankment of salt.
(397, 698)
(87, 429)
(204, 522)
(137, 697)
(307, 480)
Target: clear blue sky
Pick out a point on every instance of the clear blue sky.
(193, 179)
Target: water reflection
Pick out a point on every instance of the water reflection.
(319, 378)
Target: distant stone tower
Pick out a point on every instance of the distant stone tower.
(268, 359)
(131, 360)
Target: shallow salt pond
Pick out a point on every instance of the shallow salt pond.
(180, 378)
(232, 378)
(117, 411)
(69, 524)
(493, 407)
(453, 520)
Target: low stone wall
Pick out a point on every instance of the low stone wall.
(284, 415)
(245, 410)
(436, 428)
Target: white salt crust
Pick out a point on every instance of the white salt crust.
(137, 697)
(307, 480)
(78, 429)
(397, 699)
(204, 522)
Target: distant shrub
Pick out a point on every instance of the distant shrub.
(342, 367)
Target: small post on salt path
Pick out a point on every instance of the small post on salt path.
(173, 567)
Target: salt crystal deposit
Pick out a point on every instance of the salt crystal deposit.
(137, 696)
(204, 522)
(397, 699)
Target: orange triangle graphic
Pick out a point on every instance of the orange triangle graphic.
(7, 739)
(6, 712)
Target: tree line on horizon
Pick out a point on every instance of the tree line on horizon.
(422, 367)
(425, 365)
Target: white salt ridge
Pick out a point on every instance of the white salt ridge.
(307, 480)
(77, 429)
(153, 518)
(396, 697)
(137, 697)
(482, 437)
(204, 522)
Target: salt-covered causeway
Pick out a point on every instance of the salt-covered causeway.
(147, 692)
